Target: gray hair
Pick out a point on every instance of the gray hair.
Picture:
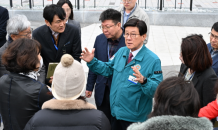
(17, 24)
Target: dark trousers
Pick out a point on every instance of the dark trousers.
(105, 106)
(119, 124)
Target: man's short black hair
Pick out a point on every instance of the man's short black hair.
(141, 25)
(110, 14)
(51, 10)
(215, 26)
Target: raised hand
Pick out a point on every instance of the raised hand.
(138, 75)
(86, 55)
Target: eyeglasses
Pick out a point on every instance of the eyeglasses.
(128, 1)
(131, 35)
(213, 36)
(105, 27)
(27, 33)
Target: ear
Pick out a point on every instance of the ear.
(13, 37)
(47, 23)
(119, 24)
(144, 36)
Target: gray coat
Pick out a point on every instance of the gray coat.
(173, 123)
(3, 70)
(139, 14)
(77, 24)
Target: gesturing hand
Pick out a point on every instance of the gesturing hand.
(86, 55)
(88, 94)
(138, 75)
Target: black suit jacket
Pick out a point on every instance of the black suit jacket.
(204, 83)
(3, 23)
(69, 42)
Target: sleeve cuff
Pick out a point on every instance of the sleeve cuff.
(91, 62)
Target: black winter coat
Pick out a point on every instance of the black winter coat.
(68, 115)
(20, 98)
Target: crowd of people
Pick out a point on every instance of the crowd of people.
(124, 74)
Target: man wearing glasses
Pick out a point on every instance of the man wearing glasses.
(106, 45)
(17, 27)
(130, 10)
(136, 74)
(213, 46)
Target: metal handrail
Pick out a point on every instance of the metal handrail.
(191, 1)
(30, 4)
(11, 3)
(77, 4)
(162, 4)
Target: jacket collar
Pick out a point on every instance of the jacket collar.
(139, 55)
(184, 68)
(54, 104)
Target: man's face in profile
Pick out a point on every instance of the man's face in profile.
(214, 39)
(57, 24)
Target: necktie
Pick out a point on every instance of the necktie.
(130, 58)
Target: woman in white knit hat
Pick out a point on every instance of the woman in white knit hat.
(69, 110)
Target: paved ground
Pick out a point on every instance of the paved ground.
(150, 4)
(163, 40)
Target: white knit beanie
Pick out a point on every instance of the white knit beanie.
(69, 79)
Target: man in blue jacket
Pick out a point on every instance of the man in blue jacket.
(213, 46)
(136, 74)
(106, 45)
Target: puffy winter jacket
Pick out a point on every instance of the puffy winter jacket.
(68, 115)
(20, 98)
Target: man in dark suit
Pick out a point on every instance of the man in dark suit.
(57, 37)
(213, 46)
(106, 45)
(3, 23)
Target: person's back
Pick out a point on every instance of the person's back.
(176, 108)
(69, 110)
(21, 95)
(68, 115)
(170, 122)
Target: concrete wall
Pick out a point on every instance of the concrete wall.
(156, 18)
